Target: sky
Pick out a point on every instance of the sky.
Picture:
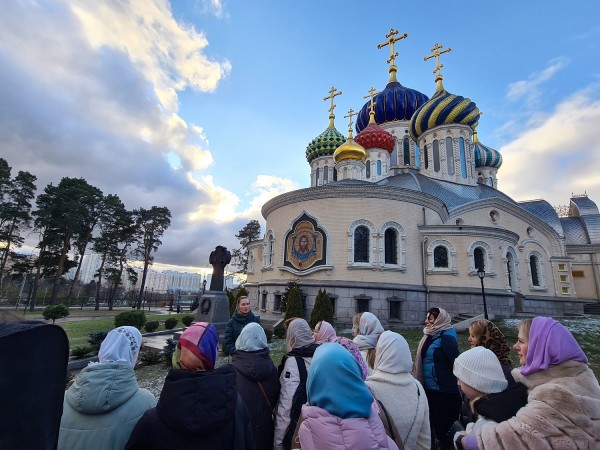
(207, 106)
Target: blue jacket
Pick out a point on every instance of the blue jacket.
(101, 408)
(234, 328)
(438, 361)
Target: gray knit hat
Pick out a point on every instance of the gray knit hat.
(480, 369)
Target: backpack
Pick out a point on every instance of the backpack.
(298, 400)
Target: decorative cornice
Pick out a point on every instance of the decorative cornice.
(366, 190)
(583, 248)
(470, 230)
(307, 271)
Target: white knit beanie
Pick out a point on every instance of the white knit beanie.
(480, 369)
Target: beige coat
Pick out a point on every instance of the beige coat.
(562, 412)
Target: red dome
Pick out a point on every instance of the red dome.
(373, 136)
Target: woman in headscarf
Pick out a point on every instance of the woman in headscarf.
(293, 372)
(433, 368)
(563, 405)
(199, 407)
(105, 402)
(369, 329)
(402, 402)
(257, 382)
(340, 413)
(505, 404)
(324, 332)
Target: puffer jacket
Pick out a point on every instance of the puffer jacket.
(234, 328)
(102, 407)
(196, 410)
(322, 430)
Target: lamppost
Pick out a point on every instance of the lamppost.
(481, 275)
(204, 285)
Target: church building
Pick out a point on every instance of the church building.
(408, 215)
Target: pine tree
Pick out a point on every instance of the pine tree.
(323, 309)
(295, 307)
(284, 298)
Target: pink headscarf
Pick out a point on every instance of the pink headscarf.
(550, 343)
(327, 333)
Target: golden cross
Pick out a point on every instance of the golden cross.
(350, 114)
(332, 93)
(372, 94)
(391, 40)
(436, 52)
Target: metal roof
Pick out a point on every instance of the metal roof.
(545, 212)
(575, 233)
(584, 206)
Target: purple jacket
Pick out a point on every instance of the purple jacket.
(320, 429)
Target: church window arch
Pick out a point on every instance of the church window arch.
(361, 251)
(368, 170)
(392, 251)
(390, 246)
(481, 255)
(269, 249)
(537, 278)
(345, 173)
(490, 182)
(417, 156)
(335, 175)
(441, 255)
(511, 270)
(463, 157)
(378, 167)
(406, 151)
(450, 156)
(426, 156)
(325, 174)
(251, 262)
(436, 156)
(317, 178)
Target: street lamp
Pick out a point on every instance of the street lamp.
(204, 285)
(481, 275)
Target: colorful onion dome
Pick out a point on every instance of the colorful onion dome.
(443, 109)
(395, 102)
(326, 143)
(349, 150)
(485, 156)
(375, 137)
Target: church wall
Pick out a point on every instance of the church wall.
(583, 276)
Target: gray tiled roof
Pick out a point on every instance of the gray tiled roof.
(544, 211)
(575, 233)
(584, 206)
(592, 225)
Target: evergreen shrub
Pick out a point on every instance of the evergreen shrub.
(168, 351)
(82, 352)
(170, 323)
(131, 318)
(151, 326)
(55, 312)
(295, 306)
(323, 309)
(95, 339)
(187, 320)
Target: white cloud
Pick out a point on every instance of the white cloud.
(558, 156)
(529, 89)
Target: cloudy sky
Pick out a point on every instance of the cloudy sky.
(206, 107)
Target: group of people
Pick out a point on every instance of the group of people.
(333, 392)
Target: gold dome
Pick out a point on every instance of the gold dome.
(349, 150)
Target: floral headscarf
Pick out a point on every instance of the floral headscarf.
(121, 345)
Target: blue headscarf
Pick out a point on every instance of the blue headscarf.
(335, 383)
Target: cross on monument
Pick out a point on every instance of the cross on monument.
(332, 93)
(436, 52)
(391, 40)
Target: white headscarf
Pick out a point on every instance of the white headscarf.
(369, 329)
(299, 334)
(121, 346)
(392, 354)
(252, 338)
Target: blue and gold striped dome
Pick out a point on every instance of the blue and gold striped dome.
(485, 156)
(443, 109)
(325, 144)
(395, 102)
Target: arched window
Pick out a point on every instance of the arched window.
(345, 173)
(334, 174)
(378, 167)
(463, 157)
(436, 156)
(491, 182)
(534, 267)
(368, 169)
(271, 250)
(406, 151)
(417, 156)
(426, 156)
(479, 258)
(440, 256)
(391, 246)
(450, 156)
(361, 244)
(317, 180)
(325, 174)
(510, 269)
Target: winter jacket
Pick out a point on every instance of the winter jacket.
(406, 404)
(234, 328)
(196, 410)
(562, 412)
(322, 430)
(101, 408)
(251, 368)
(289, 381)
(438, 361)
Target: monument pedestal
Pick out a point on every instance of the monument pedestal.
(214, 308)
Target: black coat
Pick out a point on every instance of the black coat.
(196, 410)
(234, 328)
(252, 367)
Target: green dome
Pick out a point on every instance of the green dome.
(324, 144)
